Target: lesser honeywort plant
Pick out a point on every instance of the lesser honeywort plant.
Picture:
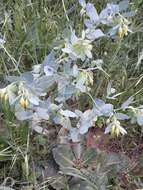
(47, 93)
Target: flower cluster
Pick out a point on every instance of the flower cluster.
(78, 47)
(114, 127)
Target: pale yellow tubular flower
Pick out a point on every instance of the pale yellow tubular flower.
(117, 131)
(90, 76)
(24, 102)
(125, 29)
(2, 93)
(120, 32)
(6, 97)
(113, 129)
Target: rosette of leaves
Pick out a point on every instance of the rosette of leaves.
(73, 162)
(88, 166)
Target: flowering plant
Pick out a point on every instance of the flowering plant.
(42, 94)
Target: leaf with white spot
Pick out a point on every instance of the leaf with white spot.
(68, 113)
(49, 71)
(93, 34)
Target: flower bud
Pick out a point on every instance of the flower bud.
(6, 97)
(113, 130)
(125, 29)
(117, 131)
(107, 121)
(2, 93)
(120, 32)
(24, 103)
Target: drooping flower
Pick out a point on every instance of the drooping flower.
(138, 114)
(23, 102)
(123, 30)
(2, 93)
(115, 128)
